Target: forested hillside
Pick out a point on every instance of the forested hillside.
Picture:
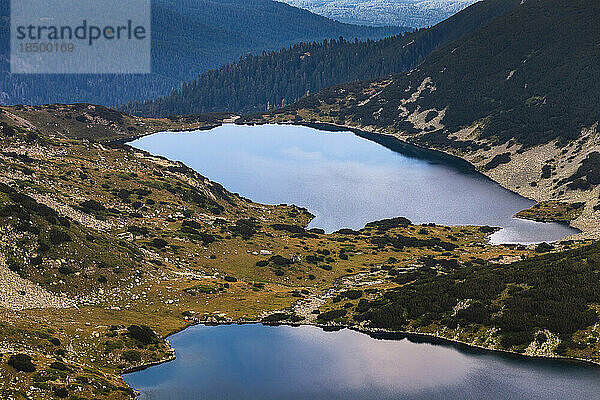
(526, 303)
(188, 37)
(273, 79)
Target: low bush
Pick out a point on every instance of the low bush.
(21, 362)
(131, 356)
(58, 236)
(331, 315)
(353, 294)
(59, 366)
(142, 334)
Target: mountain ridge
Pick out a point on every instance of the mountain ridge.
(415, 13)
(271, 79)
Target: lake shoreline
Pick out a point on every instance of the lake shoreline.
(378, 334)
(386, 140)
(374, 136)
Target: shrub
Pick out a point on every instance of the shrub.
(58, 236)
(476, 313)
(142, 334)
(273, 318)
(498, 160)
(66, 269)
(289, 228)
(346, 231)
(546, 171)
(21, 362)
(313, 259)
(159, 243)
(279, 260)
(509, 339)
(352, 294)
(245, 228)
(363, 306)
(91, 205)
(14, 265)
(136, 230)
(131, 356)
(59, 366)
(331, 315)
(386, 224)
(543, 247)
(192, 224)
(60, 392)
(230, 279)
(487, 229)
(36, 261)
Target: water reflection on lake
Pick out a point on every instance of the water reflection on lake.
(262, 362)
(347, 181)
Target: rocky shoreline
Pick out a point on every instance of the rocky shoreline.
(385, 334)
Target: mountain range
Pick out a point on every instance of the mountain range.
(188, 38)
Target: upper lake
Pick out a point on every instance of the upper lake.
(346, 180)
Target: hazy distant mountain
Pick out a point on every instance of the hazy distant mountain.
(188, 38)
(415, 13)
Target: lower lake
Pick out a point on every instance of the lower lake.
(255, 362)
(346, 180)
